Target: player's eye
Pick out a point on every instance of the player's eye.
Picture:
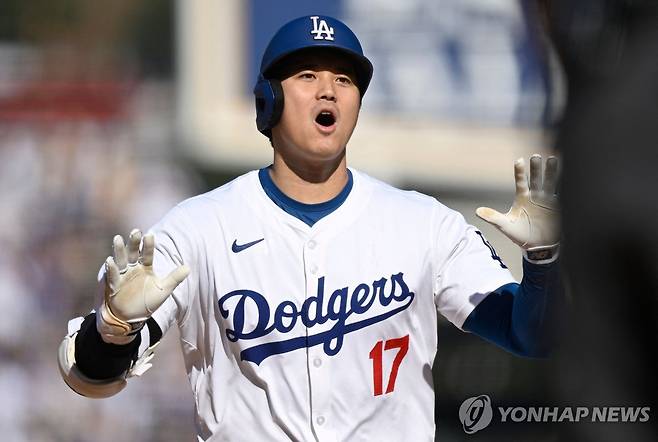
(344, 79)
(307, 75)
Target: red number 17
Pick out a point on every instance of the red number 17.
(402, 344)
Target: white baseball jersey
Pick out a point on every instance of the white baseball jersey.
(327, 333)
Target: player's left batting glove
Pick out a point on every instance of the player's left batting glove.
(533, 220)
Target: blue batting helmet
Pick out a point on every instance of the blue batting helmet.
(315, 31)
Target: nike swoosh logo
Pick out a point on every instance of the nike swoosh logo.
(240, 247)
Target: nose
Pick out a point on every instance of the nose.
(326, 86)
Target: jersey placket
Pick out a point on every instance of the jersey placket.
(317, 361)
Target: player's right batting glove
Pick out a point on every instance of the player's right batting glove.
(131, 290)
(533, 220)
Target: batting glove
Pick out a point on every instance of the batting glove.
(132, 291)
(533, 220)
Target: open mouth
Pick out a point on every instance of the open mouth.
(325, 119)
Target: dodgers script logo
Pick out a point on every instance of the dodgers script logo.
(321, 30)
(393, 295)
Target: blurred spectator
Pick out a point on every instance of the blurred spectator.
(80, 161)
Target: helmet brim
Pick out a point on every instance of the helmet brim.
(362, 66)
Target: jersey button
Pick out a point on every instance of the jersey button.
(314, 269)
(320, 420)
(312, 244)
(317, 362)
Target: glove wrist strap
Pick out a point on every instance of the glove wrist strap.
(114, 330)
(543, 254)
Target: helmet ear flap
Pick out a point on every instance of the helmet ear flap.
(269, 104)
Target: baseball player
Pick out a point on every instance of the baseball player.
(306, 293)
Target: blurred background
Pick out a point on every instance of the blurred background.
(112, 112)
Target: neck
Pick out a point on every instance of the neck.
(308, 183)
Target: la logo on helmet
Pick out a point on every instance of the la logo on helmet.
(321, 30)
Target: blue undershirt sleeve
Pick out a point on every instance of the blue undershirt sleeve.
(521, 318)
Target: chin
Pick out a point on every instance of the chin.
(328, 148)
